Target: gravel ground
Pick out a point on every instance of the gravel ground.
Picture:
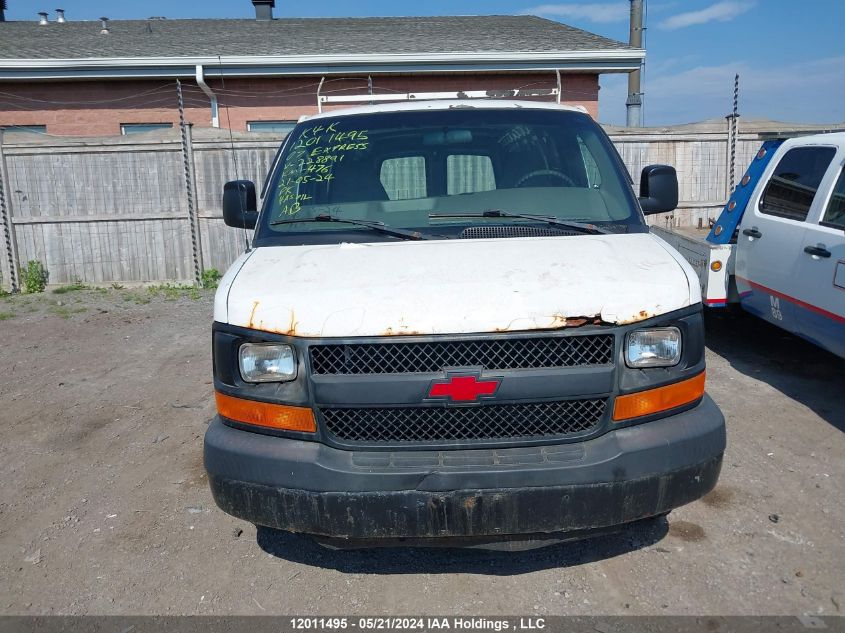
(105, 508)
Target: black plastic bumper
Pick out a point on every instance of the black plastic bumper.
(622, 476)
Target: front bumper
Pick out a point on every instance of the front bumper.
(622, 476)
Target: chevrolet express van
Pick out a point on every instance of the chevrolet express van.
(453, 326)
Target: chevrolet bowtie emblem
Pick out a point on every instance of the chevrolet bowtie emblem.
(463, 388)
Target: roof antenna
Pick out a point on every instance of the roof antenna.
(232, 146)
(104, 30)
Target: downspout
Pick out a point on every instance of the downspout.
(215, 119)
(559, 86)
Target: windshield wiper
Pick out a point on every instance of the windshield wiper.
(379, 227)
(549, 219)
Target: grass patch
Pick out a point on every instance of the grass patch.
(5, 316)
(136, 297)
(63, 290)
(172, 292)
(66, 312)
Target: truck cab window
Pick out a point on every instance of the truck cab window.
(834, 215)
(794, 183)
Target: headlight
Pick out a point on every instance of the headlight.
(267, 362)
(656, 347)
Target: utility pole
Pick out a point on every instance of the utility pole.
(634, 103)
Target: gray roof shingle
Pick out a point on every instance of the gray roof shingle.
(295, 36)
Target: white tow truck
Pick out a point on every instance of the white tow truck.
(778, 247)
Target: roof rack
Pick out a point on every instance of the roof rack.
(372, 98)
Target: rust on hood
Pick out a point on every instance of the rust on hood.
(642, 316)
(403, 331)
(291, 331)
(558, 321)
(251, 323)
(561, 321)
(292, 325)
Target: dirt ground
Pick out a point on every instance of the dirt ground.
(105, 509)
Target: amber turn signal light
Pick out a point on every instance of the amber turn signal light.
(271, 416)
(635, 405)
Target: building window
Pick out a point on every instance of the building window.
(32, 129)
(139, 128)
(277, 127)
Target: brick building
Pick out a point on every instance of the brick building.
(67, 77)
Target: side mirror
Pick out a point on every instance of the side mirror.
(239, 204)
(658, 189)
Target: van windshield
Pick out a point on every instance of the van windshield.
(443, 171)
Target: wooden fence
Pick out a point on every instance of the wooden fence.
(116, 210)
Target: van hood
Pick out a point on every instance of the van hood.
(454, 286)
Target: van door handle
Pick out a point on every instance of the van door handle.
(818, 251)
(753, 232)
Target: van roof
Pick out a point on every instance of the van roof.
(445, 104)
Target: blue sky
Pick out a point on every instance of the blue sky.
(788, 52)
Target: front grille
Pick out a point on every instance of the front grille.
(482, 232)
(491, 354)
(487, 422)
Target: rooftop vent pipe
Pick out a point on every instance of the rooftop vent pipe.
(264, 9)
(60, 16)
(43, 19)
(104, 30)
(2, 10)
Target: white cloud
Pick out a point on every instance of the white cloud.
(721, 11)
(604, 13)
(804, 92)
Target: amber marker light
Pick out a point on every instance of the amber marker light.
(635, 405)
(716, 266)
(271, 416)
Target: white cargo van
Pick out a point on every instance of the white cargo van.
(455, 327)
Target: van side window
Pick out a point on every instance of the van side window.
(793, 186)
(468, 173)
(403, 178)
(834, 215)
